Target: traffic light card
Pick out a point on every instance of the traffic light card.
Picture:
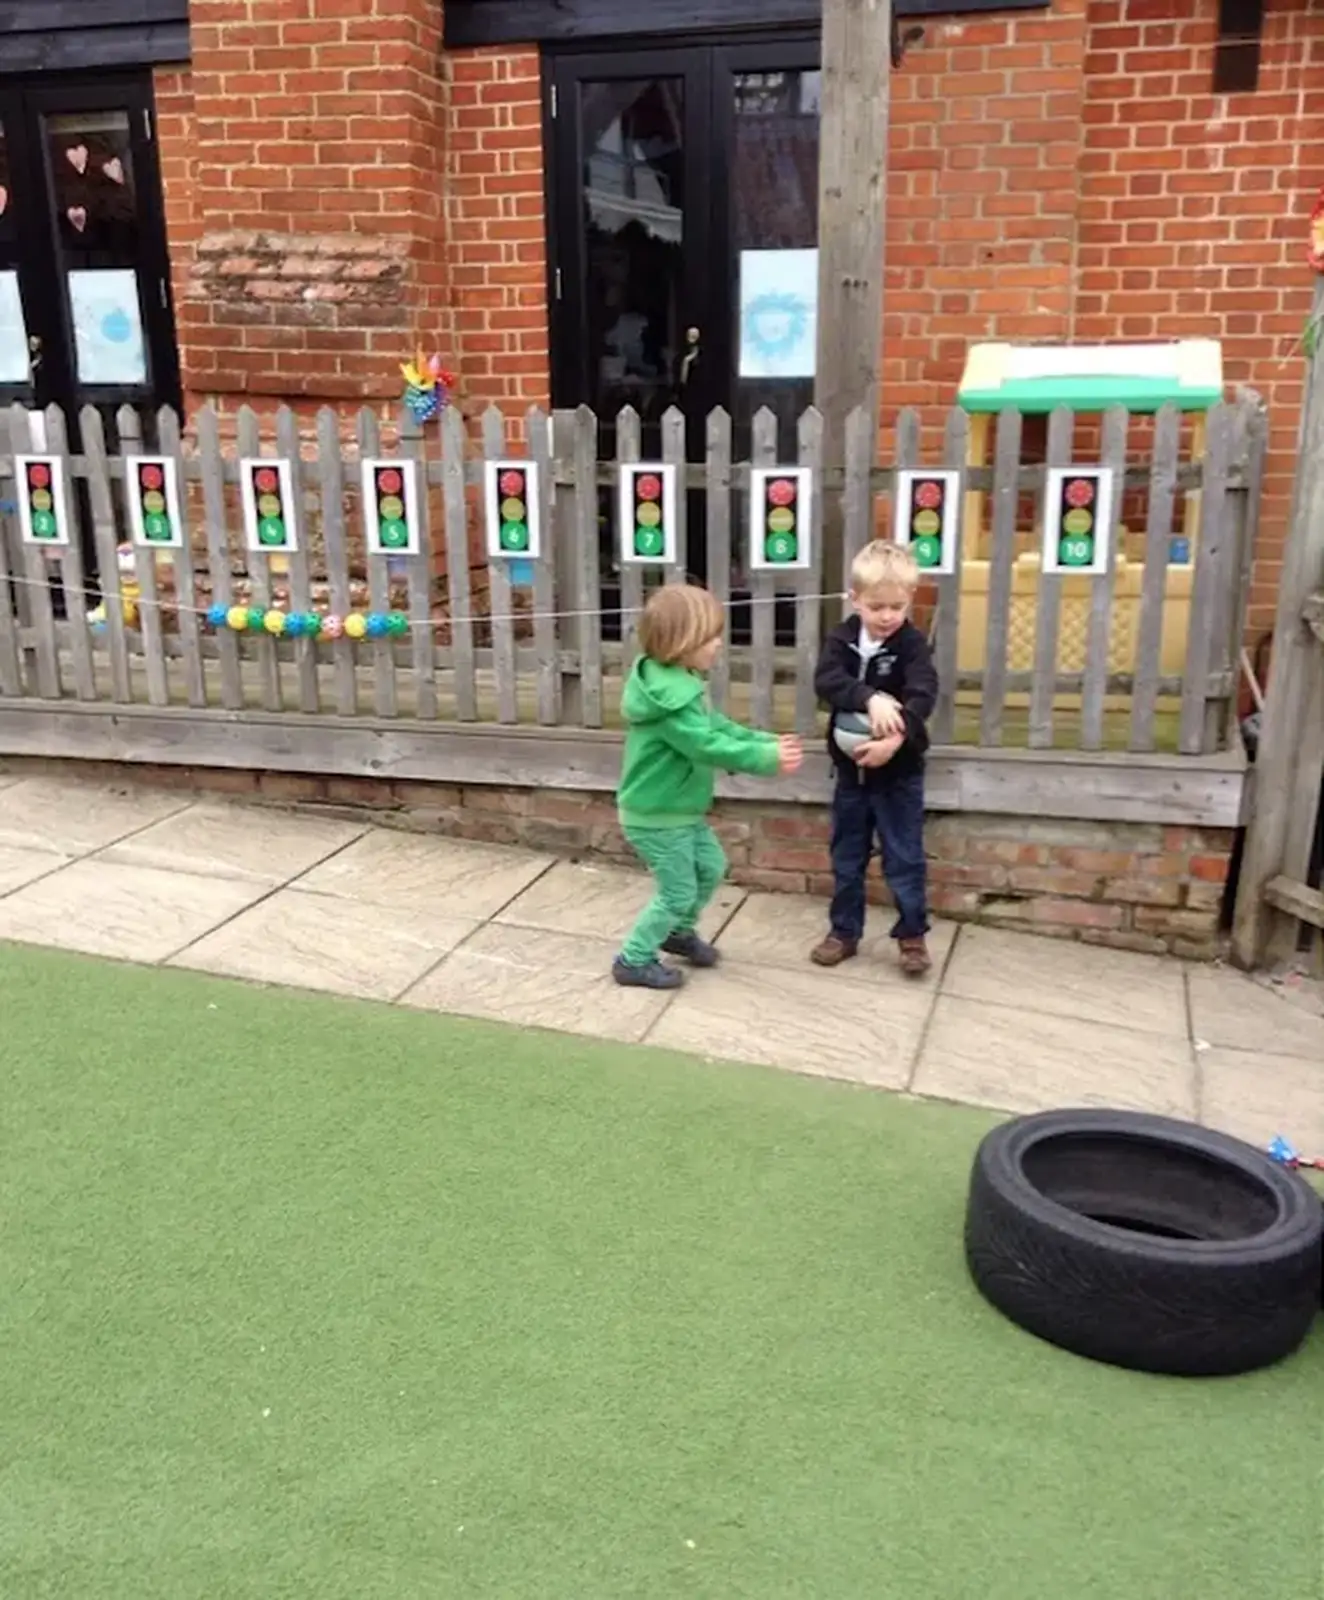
(267, 490)
(152, 485)
(780, 507)
(647, 513)
(390, 507)
(928, 508)
(43, 499)
(1078, 519)
(511, 495)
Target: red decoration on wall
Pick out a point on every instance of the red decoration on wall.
(1316, 251)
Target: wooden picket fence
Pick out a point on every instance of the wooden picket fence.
(1024, 657)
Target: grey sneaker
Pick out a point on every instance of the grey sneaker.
(690, 947)
(650, 975)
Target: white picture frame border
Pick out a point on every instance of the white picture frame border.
(1049, 559)
(627, 472)
(59, 497)
(906, 479)
(805, 528)
(532, 471)
(170, 471)
(407, 467)
(282, 467)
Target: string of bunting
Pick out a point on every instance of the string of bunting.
(358, 624)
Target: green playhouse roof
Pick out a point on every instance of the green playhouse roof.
(1141, 377)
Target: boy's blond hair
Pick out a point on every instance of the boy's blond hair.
(679, 619)
(881, 563)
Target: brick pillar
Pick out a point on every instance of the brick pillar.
(317, 200)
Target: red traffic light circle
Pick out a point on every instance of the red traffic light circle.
(512, 484)
(928, 496)
(266, 480)
(1079, 492)
(151, 477)
(781, 491)
(389, 482)
(648, 487)
(39, 475)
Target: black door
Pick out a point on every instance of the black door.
(684, 205)
(85, 313)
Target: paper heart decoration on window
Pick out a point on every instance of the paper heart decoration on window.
(114, 169)
(4, 199)
(77, 156)
(78, 216)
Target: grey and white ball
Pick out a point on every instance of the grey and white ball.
(850, 730)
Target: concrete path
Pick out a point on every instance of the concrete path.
(1007, 1021)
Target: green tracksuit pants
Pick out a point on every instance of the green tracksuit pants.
(687, 865)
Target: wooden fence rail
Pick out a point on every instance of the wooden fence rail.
(1141, 655)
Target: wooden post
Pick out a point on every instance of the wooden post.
(1291, 748)
(852, 209)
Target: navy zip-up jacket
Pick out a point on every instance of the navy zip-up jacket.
(903, 668)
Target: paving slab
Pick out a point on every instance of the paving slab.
(601, 902)
(78, 818)
(1017, 1060)
(1065, 979)
(235, 841)
(780, 930)
(315, 941)
(133, 913)
(1228, 1008)
(1258, 1095)
(539, 980)
(806, 1021)
(18, 867)
(421, 872)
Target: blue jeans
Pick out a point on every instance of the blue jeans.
(895, 812)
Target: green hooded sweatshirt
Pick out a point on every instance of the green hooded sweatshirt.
(675, 743)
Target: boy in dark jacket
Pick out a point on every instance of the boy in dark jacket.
(877, 663)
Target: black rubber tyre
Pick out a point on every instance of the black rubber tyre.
(1144, 1242)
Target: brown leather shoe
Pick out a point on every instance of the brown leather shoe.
(915, 959)
(833, 951)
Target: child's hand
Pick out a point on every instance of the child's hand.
(885, 716)
(878, 752)
(790, 753)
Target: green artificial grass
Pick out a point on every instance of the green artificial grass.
(310, 1299)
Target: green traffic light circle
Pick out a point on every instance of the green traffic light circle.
(271, 530)
(514, 536)
(781, 548)
(43, 525)
(647, 541)
(1076, 552)
(394, 534)
(156, 527)
(927, 550)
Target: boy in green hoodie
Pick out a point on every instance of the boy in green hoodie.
(675, 744)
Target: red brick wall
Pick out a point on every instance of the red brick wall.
(1194, 207)
(497, 226)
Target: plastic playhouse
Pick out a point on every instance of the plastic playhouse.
(1037, 379)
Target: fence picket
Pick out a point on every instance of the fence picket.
(762, 585)
(1006, 498)
(151, 620)
(11, 658)
(73, 579)
(186, 589)
(301, 592)
(421, 567)
(718, 519)
(31, 563)
(1098, 638)
(498, 573)
(458, 588)
(946, 653)
(629, 447)
(258, 565)
(673, 451)
(384, 701)
(330, 477)
(1209, 565)
(1153, 589)
(587, 594)
(219, 561)
(539, 434)
(1048, 602)
(857, 502)
(808, 606)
